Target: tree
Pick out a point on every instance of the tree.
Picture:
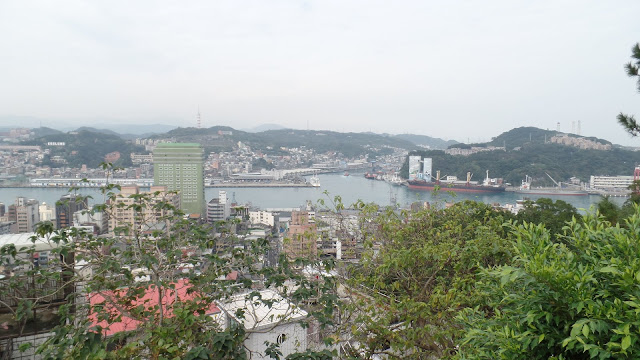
(609, 210)
(628, 122)
(158, 287)
(553, 215)
(576, 299)
(420, 273)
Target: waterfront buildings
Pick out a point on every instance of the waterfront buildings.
(615, 183)
(179, 167)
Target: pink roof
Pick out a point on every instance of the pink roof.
(233, 275)
(148, 300)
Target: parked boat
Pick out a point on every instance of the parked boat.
(314, 181)
(525, 188)
(451, 183)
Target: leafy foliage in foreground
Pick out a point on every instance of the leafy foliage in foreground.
(554, 215)
(408, 294)
(574, 299)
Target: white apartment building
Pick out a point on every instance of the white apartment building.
(610, 182)
(262, 217)
(219, 209)
(47, 212)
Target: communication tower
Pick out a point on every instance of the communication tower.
(198, 118)
(578, 127)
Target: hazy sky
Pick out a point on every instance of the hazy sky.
(466, 70)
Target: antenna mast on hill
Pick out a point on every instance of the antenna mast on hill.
(579, 127)
(198, 117)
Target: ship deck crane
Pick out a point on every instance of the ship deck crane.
(555, 182)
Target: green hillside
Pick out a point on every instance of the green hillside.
(423, 140)
(349, 144)
(43, 131)
(86, 147)
(523, 136)
(534, 158)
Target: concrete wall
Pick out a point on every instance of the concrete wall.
(30, 354)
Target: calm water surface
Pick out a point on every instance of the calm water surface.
(349, 188)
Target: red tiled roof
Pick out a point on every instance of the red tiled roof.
(148, 300)
(233, 275)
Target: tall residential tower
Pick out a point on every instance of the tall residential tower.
(180, 167)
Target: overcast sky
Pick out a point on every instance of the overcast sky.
(465, 70)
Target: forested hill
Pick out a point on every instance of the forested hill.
(349, 144)
(561, 162)
(86, 147)
(526, 135)
(423, 140)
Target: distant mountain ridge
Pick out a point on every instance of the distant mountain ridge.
(264, 127)
(427, 141)
(270, 141)
(527, 135)
(99, 131)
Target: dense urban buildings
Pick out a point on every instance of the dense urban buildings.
(125, 215)
(24, 214)
(302, 239)
(66, 207)
(179, 167)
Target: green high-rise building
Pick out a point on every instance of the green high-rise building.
(180, 167)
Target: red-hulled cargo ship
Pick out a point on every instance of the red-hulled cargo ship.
(451, 183)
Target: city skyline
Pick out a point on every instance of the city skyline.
(404, 67)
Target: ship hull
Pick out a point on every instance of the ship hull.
(551, 192)
(424, 186)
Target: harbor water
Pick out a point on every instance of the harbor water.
(349, 188)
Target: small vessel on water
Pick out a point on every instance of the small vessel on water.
(451, 183)
(370, 176)
(314, 181)
(525, 188)
(346, 173)
(395, 180)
